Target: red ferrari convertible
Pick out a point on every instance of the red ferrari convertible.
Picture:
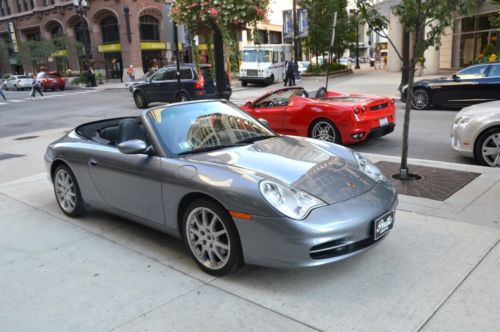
(331, 116)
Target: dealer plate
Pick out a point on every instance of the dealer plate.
(383, 225)
(383, 122)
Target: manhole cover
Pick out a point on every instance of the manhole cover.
(24, 137)
(435, 183)
(4, 156)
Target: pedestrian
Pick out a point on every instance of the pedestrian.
(2, 87)
(36, 86)
(130, 73)
(286, 72)
(291, 73)
(385, 61)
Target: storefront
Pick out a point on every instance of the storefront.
(470, 37)
(153, 55)
(113, 63)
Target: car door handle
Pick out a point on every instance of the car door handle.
(93, 162)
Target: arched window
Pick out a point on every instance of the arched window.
(109, 28)
(149, 28)
(56, 31)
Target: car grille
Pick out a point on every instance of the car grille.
(378, 107)
(252, 73)
(338, 248)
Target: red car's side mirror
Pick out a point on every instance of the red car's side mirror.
(248, 104)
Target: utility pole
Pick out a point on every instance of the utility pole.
(331, 46)
(81, 7)
(177, 62)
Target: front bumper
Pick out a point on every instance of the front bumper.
(460, 142)
(254, 79)
(329, 234)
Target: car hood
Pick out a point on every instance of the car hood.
(299, 163)
(489, 108)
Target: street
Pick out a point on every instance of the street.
(67, 109)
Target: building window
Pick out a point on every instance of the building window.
(109, 28)
(32, 35)
(149, 28)
(47, 3)
(2, 12)
(18, 5)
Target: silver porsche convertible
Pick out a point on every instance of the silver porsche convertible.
(233, 190)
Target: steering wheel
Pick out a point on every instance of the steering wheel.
(304, 93)
(270, 103)
(321, 92)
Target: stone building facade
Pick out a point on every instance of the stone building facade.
(115, 34)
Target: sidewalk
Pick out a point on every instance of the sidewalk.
(437, 270)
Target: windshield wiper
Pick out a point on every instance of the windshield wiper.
(255, 139)
(206, 149)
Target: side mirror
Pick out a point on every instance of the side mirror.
(455, 77)
(264, 122)
(248, 104)
(133, 146)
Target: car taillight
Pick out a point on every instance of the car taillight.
(357, 110)
(393, 101)
(200, 82)
(62, 79)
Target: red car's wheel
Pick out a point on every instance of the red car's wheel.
(325, 130)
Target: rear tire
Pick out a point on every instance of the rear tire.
(67, 192)
(487, 148)
(211, 237)
(325, 130)
(140, 100)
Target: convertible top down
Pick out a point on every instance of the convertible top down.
(232, 189)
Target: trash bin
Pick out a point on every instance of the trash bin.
(372, 63)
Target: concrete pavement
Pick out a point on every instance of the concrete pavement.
(438, 270)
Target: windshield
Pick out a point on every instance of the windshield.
(183, 128)
(257, 55)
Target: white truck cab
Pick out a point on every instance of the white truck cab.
(264, 64)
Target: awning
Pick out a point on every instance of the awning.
(107, 48)
(60, 54)
(153, 46)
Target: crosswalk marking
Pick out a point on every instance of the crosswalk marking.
(46, 96)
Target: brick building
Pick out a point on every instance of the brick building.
(111, 40)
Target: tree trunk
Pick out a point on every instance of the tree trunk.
(219, 61)
(405, 70)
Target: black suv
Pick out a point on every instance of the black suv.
(162, 86)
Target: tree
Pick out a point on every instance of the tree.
(320, 17)
(495, 18)
(222, 18)
(425, 20)
(37, 52)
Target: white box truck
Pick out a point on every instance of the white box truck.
(264, 64)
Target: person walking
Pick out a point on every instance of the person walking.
(36, 86)
(286, 72)
(291, 73)
(131, 74)
(2, 87)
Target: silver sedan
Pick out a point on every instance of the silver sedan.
(476, 133)
(233, 190)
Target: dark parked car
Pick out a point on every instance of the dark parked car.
(472, 85)
(53, 80)
(162, 86)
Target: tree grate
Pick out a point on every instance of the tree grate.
(435, 183)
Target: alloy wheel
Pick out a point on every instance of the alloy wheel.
(420, 99)
(65, 191)
(208, 238)
(490, 150)
(324, 130)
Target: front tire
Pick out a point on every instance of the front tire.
(325, 130)
(67, 192)
(487, 148)
(211, 238)
(420, 99)
(244, 83)
(270, 80)
(140, 100)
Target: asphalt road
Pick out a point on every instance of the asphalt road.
(429, 131)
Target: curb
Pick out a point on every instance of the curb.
(332, 74)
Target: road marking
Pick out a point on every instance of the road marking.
(15, 101)
(3, 103)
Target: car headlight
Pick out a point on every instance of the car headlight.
(293, 203)
(368, 168)
(461, 120)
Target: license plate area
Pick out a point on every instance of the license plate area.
(382, 225)
(383, 122)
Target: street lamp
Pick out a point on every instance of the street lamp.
(81, 7)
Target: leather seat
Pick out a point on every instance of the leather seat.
(131, 129)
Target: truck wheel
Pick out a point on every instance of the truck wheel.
(244, 83)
